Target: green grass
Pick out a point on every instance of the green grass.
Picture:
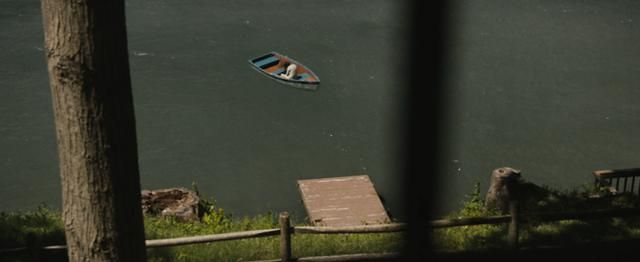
(470, 237)
(43, 225)
(536, 233)
(46, 226)
(257, 248)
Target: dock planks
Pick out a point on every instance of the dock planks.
(342, 201)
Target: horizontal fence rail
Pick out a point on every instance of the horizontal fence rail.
(384, 228)
(342, 258)
(513, 222)
(352, 257)
(211, 238)
(595, 214)
(617, 173)
(470, 221)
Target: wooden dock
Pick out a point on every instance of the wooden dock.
(342, 201)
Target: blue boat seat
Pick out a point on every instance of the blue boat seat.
(278, 71)
(269, 60)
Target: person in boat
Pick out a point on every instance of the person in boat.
(290, 70)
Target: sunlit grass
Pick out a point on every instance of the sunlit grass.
(46, 225)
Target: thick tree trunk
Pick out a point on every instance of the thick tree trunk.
(86, 49)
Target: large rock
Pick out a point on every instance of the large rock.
(179, 202)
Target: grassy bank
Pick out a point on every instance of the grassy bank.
(536, 233)
(257, 248)
(46, 227)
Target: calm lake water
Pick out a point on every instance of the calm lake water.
(548, 87)
(205, 117)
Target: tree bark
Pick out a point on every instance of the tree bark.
(87, 55)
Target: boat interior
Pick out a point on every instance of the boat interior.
(274, 65)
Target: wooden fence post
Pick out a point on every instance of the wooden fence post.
(285, 237)
(514, 225)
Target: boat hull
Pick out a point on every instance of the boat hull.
(272, 64)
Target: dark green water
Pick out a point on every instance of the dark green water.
(548, 87)
(204, 116)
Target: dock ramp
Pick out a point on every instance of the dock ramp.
(342, 201)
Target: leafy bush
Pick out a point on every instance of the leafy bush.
(43, 225)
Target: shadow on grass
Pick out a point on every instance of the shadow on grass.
(42, 227)
(534, 233)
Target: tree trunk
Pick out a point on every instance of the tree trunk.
(86, 50)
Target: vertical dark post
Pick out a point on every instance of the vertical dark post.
(426, 42)
(285, 237)
(33, 247)
(514, 209)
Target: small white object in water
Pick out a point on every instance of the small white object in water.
(136, 53)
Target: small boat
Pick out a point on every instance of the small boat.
(272, 64)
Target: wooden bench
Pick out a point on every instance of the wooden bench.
(619, 180)
(266, 62)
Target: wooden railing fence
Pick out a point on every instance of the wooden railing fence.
(622, 180)
(514, 219)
